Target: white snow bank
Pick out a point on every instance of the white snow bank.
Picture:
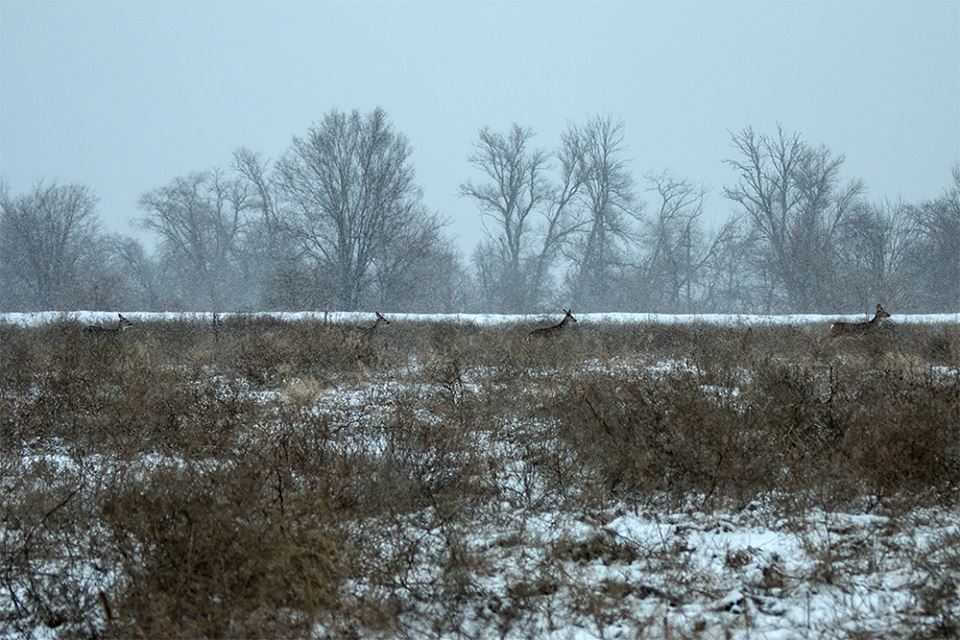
(358, 317)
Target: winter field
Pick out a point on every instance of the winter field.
(345, 317)
(305, 475)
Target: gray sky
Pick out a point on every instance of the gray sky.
(124, 96)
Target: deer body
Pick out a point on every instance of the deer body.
(369, 332)
(858, 328)
(96, 329)
(217, 325)
(556, 329)
(362, 337)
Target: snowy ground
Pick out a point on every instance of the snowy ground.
(624, 571)
(541, 571)
(348, 317)
(538, 569)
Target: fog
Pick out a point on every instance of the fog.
(123, 99)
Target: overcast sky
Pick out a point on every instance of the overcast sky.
(124, 96)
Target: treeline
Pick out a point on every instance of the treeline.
(338, 222)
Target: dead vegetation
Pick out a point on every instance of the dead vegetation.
(264, 478)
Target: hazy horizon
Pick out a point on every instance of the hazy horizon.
(124, 97)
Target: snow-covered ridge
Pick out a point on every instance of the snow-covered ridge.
(358, 317)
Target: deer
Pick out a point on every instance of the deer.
(557, 329)
(99, 330)
(368, 332)
(856, 328)
(361, 337)
(217, 326)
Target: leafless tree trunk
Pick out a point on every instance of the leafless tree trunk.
(935, 258)
(673, 240)
(791, 194)
(141, 272)
(526, 217)
(731, 281)
(349, 183)
(199, 219)
(269, 256)
(610, 208)
(875, 246)
(44, 235)
(255, 171)
(403, 263)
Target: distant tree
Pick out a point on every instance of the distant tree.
(934, 260)
(488, 267)
(350, 190)
(677, 249)
(103, 284)
(790, 192)
(268, 255)
(436, 282)
(199, 219)
(408, 270)
(261, 190)
(731, 281)
(600, 252)
(527, 217)
(141, 274)
(45, 235)
(875, 245)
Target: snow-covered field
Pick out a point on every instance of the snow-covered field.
(353, 317)
(542, 570)
(490, 525)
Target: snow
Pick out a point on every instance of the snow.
(479, 319)
(617, 571)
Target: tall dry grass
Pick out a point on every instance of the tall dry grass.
(276, 479)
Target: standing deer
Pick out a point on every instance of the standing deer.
(96, 329)
(556, 329)
(362, 337)
(217, 325)
(857, 328)
(372, 329)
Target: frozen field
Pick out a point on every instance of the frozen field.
(483, 319)
(450, 478)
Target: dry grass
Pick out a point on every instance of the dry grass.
(289, 479)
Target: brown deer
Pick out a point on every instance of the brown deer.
(858, 328)
(98, 330)
(372, 329)
(217, 325)
(361, 338)
(557, 329)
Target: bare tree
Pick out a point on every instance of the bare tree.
(403, 265)
(428, 278)
(527, 218)
(349, 183)
(730, 280)
(791, 194)
(610, 209)
(269, 256)
(256, 172)
(44, 236)
(199, 219)
(677, 248)
(935, 258)
(875, 245)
